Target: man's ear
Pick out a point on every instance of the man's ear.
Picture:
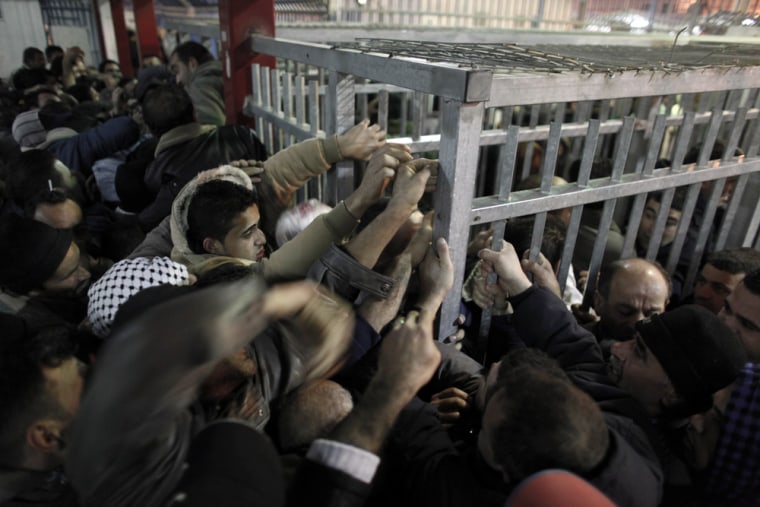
(673, 404)
(213, 246)
(43, 435)
(192, 64)
(598, 300)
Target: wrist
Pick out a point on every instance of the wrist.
(515, 287)
(356, 204)
(340, 145)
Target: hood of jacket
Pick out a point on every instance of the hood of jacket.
(181, 251)
(208, 70)
(181, 134)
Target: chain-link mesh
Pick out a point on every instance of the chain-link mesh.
(511, 58)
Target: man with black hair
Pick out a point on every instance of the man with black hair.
(741, 312)
(57, 133)
(219, 214)
(41, 384)
(52, 52)
(41, 277)
(532, 418)
(33, 61)
(186, 148)
(225, 206)
(109, 75)
(196, 70)
(535, 419)
(646, 229)
(721, 274)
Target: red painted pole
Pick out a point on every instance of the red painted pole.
(147, 32)
(238, 19)
(122, 39)
(99, 23)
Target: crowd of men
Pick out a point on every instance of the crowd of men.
(175, 332)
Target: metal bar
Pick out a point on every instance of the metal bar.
(404, 114)
(341, 113)
(608, 209)
(704, 233)
(571, 236)
(550, 156)
(516, 89)
(487, 313)
(314, 109)
(445, 80)
(266, 100)
(363, 101)
(733, 99)
(754, 224)
(736, 133)
(300, 100)
(710, 138)
(539, 223)
(287, 105)
(274, 120)
(559, 111)
(257, 97)
(460, 124)
(754, 141)
(598, 252)
(489, 208)
(431, 142)
(382, 109)
(659, 225)
(687, 101)
(682, 232)
(506, 166)
(731, 211)
(417, 114)
(655, 144)
(315, 185)
(276, 88)
(682, 143)
(587, 162)
(575, 215)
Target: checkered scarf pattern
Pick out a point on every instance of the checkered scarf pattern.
(125, 279)
(734, 477)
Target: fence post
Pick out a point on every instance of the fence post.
(238, 20)
(459, 150)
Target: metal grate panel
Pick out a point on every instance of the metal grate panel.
(512, 58)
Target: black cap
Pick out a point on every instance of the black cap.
(31, 252)
(699, 353)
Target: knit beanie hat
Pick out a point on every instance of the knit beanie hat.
(125, 279)
(28, 130)
(698, 352)
(30, 252)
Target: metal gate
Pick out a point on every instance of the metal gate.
(76, 14)
(481, 106)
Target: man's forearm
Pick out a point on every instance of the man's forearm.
(367, 246)
(369, 423)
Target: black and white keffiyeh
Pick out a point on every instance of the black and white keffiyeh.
(125, 279)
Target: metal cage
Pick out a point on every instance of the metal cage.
(483, 109)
